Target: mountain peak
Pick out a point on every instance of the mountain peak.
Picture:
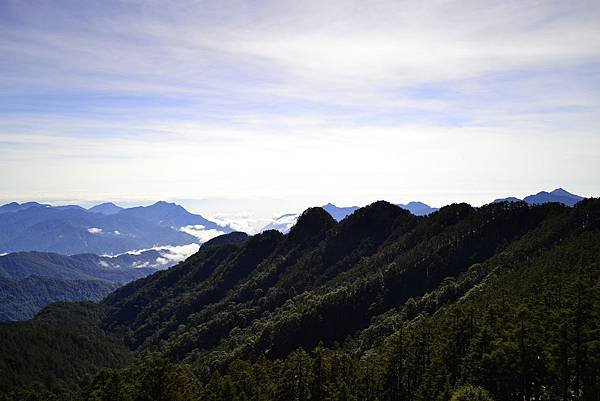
(312, 221)
(559, 195)
(418, 208)
(563, 192)
(105, 208)
(161, 202)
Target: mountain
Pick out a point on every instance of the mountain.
(107, 208)
(31, 280)
(21, 299)
(418, 208)
(559, 195)
(509, 199)
(103, 229)
(171, 215)
(74, 230)
(339, 213)
(48, 344)
(501, 300)
(285, 222)
(235, 237)
(119, 269)
(15, 207)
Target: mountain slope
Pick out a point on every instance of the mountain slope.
(58, 349)
(21, 299)
(349, 256)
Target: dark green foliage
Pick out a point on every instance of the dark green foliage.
(500, 302)
(31, 280)
(22, 299)
(235, 237)
(58, 349)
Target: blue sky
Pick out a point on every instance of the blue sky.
(290, 104)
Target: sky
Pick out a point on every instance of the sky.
(271, 106)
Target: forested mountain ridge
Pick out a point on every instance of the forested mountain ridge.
(31, 280)
(382, 305)
(22, 298)
(375, 259)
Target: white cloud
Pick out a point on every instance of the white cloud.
(170, 253)
(94, 230)
(282, 223)
(162, 261)
(200, 232)
(246, 222)
(140, 264)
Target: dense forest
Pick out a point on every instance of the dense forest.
(22, 299)
(500, 302)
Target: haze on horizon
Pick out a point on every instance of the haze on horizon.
(287, 104)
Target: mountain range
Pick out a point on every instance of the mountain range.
(558, 195)
(103, 229)
(501, 300)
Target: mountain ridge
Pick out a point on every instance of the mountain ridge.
(558, 195)
(72, 229)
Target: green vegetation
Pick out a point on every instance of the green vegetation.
(494, 303)
(22, 299)
(57, 350)
(31, 280)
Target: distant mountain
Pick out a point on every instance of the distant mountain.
(31, 280)
(72, 229)
(15, 207)
(509, 199)
(418, 208)
(107, 208)
(117, 269)
(339, 213)
(167, 214)
(68, 207)
(21, 299)
(559, 195)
